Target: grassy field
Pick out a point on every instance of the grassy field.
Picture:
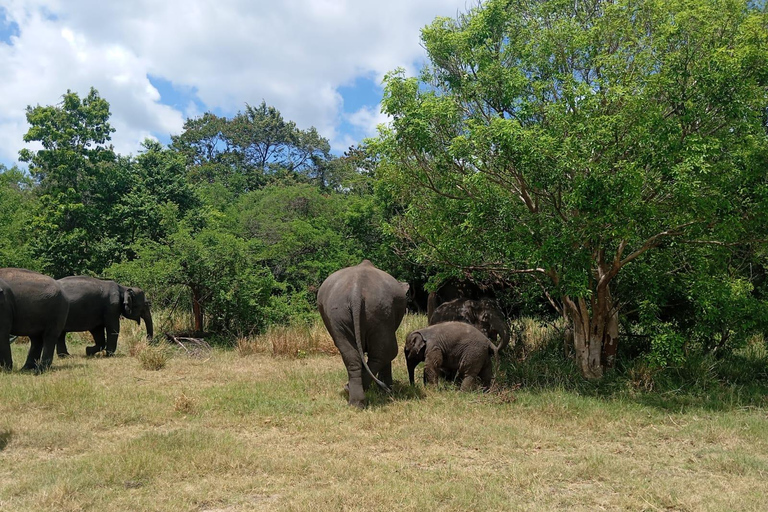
(264, 425)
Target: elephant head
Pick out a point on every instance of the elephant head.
(136, 307)
(491, 321)
(415, 352)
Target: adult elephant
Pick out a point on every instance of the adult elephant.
(96, 305)
(454, 349)
(484, 314)
(33, 305)
(451, 290)
(362, 307)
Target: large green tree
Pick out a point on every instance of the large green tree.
(255, 147)
(17, 201)
(566, 139)
(78, 182)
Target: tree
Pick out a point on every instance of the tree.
(17, 200)
(303, 236)
(250, 150)
(212, 271)
(565, 140)
(78, 183)
(73, 134)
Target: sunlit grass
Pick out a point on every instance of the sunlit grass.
(269, 430)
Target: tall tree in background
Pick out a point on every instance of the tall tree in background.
(17, 201)
(566, 139)
(250, 150)
(76, 175)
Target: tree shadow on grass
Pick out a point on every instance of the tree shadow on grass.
(5, 438)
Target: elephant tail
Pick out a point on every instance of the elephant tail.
(358, 307)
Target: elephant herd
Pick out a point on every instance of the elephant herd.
(45, 309)
(362, 307)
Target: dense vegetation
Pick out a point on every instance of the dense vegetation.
(601, 162)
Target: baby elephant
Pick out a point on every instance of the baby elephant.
(451, 348)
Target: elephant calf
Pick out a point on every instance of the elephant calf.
(451, 348)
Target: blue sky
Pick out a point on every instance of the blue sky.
(320, 62)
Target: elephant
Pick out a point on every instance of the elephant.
(362, 307)
(96, 305)
(33, 305)
(484, 314)
(450, 290)
(452, 349)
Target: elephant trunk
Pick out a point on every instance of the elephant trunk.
(411, 368)
(146, 315)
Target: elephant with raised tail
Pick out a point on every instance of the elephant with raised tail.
(484, 314)
(96, 305)
(33, 305)
(362, 308)
(453, 350)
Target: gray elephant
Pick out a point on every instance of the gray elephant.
(33, 305)
(484, 314)
(96, 305)
(362, 307)
(452, 349)
(454, 289)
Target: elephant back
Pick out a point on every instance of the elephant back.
(38, 304)
(364, 289)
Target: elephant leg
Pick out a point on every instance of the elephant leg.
(381, 351)
(113, 331)
(61, 345)
(98, 342)
(34, 354)
(355, 377)
(433, 362)
(469, 382)
(385, 374)
(6, 357)
(486, 374)
(49, 348)
(352, 362)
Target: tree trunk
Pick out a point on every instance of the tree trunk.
(595, 330)
(197, 309)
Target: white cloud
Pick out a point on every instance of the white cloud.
(293, 54)
(366, 119)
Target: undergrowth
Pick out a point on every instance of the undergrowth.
(700, 380)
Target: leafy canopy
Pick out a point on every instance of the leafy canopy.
(558, 137)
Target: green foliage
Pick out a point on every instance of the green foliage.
(214, 267)
(252, 149)
(17, 201)
(565, 140)
(73, 134)
(667, 347)
(301, 233)
(78, 181)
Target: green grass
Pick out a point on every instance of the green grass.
(268, 431)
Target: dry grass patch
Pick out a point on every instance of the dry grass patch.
(289, 341)
(263, 433)
(151, 357)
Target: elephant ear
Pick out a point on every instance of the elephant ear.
(415, 342)
(128, 303)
